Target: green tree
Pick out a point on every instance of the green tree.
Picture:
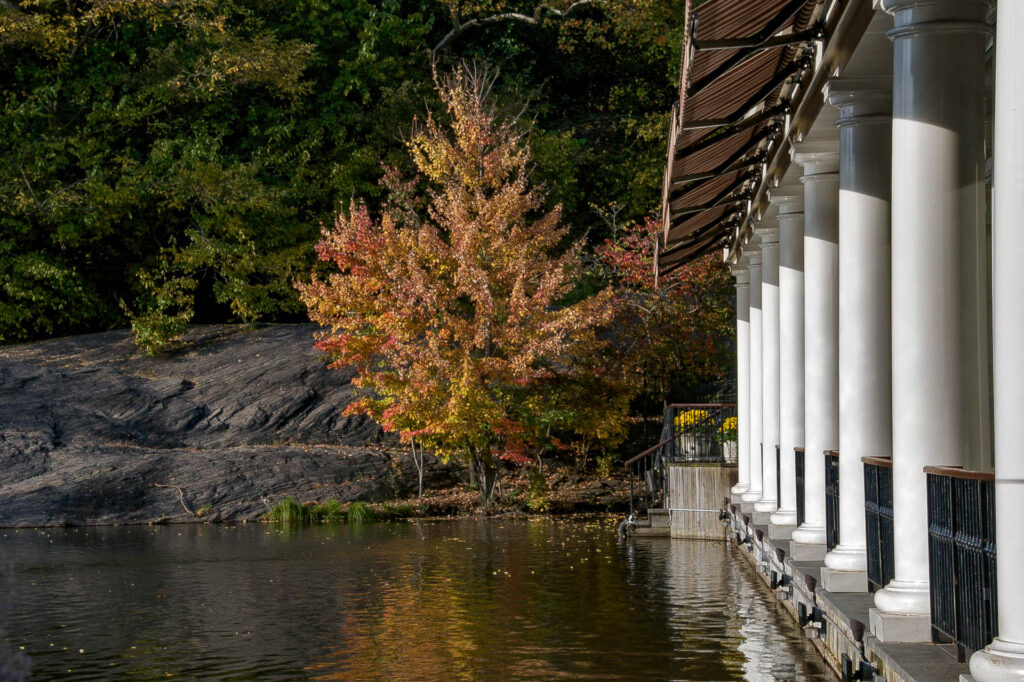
(172, 161)
(177, 157)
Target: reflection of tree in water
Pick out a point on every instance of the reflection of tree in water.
(526, 599)
(14, 664)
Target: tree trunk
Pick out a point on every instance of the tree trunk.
(486, 475)
(418, 461)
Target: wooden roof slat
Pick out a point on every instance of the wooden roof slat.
(739, 60)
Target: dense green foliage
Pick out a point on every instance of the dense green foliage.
(168, 162)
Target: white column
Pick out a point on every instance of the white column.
(1003, 659)
(742, 273)
(939, 292)
(820, 164)
(865, 331)
(790, 202)
(768, 236)
(753, 492)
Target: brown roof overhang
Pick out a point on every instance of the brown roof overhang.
(740, 60)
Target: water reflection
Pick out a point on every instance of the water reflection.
(527, 599)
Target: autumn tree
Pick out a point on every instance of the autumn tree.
(450, 306)
(672, 327)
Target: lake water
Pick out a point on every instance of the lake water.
(475, 599)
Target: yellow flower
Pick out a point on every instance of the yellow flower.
(693, 418)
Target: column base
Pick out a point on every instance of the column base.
(835, 580)
(760, 518)
(802, 551)
(751, 496)
(739, 488)
(848, 558)
(747, 507)
(765, 505)
(736, 498)
(895, 627)
(810, 534)
(780, 531)
(903, 612)
(905, 598)
(1000, 661)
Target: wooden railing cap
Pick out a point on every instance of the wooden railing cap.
(960, 472)
(878, 461)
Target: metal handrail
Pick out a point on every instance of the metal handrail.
(646, 452)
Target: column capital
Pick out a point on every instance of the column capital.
(914, 17)
(788, 199)
(767, 231)
(741, 271)
(816, 158)
(861, 100)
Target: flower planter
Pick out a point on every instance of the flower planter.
(695, 447)
(730, 451)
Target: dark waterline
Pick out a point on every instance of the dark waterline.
(494, 600)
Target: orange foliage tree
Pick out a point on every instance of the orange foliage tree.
(450, 306)
(673, 330)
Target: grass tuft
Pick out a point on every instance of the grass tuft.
(289, 510)
(360, 512)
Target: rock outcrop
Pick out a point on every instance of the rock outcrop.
(236, 419)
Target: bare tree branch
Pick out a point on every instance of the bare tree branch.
(181, 494)
(538, 15)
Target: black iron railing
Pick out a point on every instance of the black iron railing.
(647, 477)
(702, 432)
(798, 456)
(962, 557)
(831, 499)
(878, 517)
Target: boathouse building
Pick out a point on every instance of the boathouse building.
(860, 164)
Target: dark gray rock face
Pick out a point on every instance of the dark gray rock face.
(237, 419)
